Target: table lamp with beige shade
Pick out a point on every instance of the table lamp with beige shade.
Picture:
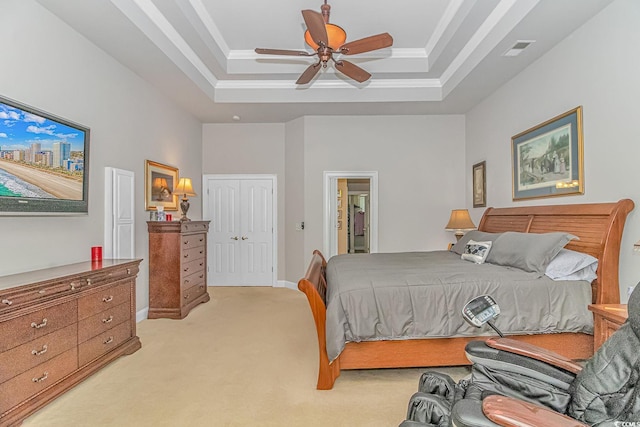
(184, 189)
(459, 222)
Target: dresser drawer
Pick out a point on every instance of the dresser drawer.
(193, 266)
(34, 325)
(107, 297)
(12, 299)
(193, 241)
(194, 227)
(193, 254)
(192, 293)
(24, 357)
(101, 322)
(192, 280)
(37, 379)
(103, 343)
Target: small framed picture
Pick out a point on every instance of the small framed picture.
(159, 183)
(479, 185)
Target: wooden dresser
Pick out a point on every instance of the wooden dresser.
(607, 318)
(60, 325)
(177, 267)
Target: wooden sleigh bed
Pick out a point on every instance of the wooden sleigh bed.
(599, 227)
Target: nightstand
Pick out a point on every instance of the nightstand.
(607, 318)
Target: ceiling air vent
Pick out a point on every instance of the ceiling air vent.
(518, 47)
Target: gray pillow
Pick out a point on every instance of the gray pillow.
(572, 265)
(527, 251)
(476, 235)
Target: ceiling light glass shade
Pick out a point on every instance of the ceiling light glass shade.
(184, 187)
(336, 35)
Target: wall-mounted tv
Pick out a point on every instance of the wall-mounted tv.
(44, 162)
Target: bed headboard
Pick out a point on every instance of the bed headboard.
(598, 225)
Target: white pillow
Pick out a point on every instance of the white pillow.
(572, 265)
(476, 251)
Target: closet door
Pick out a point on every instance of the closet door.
(224, 232)
(241, 233)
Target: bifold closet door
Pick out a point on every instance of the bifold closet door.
(241, 232)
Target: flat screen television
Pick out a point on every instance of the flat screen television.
(44, 162)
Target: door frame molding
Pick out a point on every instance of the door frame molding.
(330, 216)
(274, 207)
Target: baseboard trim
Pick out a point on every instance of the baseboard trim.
(142, 314)
(287, 284)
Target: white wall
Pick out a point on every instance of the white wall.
(595, 67)
(248, 149)
(296, 259)
(421, 172)
(49, 66)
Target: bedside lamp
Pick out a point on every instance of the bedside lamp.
(184, 189)
(460, 221)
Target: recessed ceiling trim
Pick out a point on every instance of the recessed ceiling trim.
(502, 20)
(146, 16)
(198, 15)
(446, 28)
(267, 91)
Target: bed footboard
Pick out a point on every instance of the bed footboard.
(314, 286)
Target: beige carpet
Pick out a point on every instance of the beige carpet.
(246, 358)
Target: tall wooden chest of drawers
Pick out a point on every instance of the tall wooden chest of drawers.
(60, 325)
(177, 267)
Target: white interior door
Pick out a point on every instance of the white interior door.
(241, 238)
(119, 214)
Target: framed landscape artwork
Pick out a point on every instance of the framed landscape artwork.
(547, 160)
(159, 182)
(479, 185)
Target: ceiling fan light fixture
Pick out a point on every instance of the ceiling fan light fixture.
(336, 35)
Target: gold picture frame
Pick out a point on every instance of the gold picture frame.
(479, 173)
(159, 182)
(547, 160)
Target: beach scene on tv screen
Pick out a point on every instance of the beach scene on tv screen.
(40, 158)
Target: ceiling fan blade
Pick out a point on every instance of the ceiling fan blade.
(309, 73)
(284, 52)
(315, 25)
(353, 71)
(367, 44)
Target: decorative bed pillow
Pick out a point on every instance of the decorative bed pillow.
(473, 235)
(528, 251)
(476, 251)
(572, 265)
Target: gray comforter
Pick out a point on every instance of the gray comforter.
(407, 295)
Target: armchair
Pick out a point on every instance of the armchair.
(513, 384)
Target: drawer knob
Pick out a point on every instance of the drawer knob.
(88, 281)
(42, 291)
(108, 320)
(39, 325)
(201, 239)
(40, 352)
(107, 299)
(42, 378)
(6, 301)
(186, 296)
(108, 340)
(186, 255)
(186, 242)
(73, 286)
(128, 271)
(185, 269)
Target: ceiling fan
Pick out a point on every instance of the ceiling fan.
(328, 39)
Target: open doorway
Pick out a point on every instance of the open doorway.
(350, 206)
(353, 215)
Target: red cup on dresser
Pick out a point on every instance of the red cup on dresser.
(96, 253)
(169, 217)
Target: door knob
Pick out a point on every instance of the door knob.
(234, 238)
(244, 237)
